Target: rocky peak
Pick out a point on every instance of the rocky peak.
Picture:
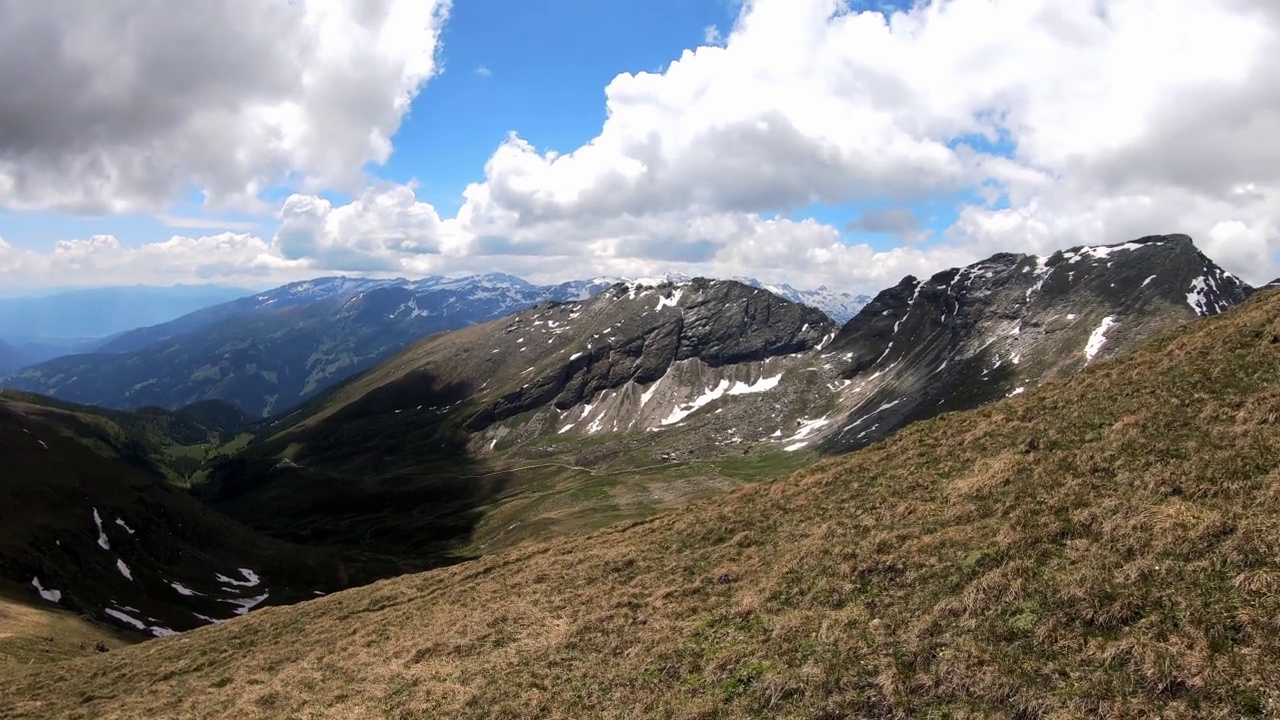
(634, 332)
(970, 335)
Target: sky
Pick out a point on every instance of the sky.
(837, 142)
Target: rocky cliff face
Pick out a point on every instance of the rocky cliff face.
(707, 363)
(975, 334)
(561, 356)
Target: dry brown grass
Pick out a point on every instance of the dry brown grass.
(1107, 547)
(37, 635)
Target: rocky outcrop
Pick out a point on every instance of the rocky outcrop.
(970, 335)
(707, 363)
(637, 333)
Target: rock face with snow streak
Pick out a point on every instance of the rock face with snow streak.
(561, 356)
(706, 360)
(673, 375)
(971, 335)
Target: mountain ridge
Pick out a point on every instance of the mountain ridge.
(268, 351)
(1087, 548)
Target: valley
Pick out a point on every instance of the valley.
(1090, 544)
(691, 360)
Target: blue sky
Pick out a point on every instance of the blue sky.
(549, 63)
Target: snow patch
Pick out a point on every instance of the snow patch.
(647, 394)
(872, 414)
(575, 356)
(124, 569)
(795, 446)
(1098, 338)
(673, 301)
(1043, 271)
(807, 428)
(244, 605)
(1148, 281)
(102, 536)
(1017, 391)
(1201, 296)
(251, 578)
(684, 411)
(1102, 251)
(47, 593)
(566, 429)
(122, 617)
(121, 523)
(762, 385)
(183, 589)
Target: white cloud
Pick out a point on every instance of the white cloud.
(484, 71)
(119, 105)
(226, 257)
(1129, 117)
(374, 232)
(205, 223)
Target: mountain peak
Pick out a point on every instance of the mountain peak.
(974, 334)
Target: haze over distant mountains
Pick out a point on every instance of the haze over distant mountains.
(103, 311)
(37, 327)
(268, 351)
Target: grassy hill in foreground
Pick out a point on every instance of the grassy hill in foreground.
(1109, 546)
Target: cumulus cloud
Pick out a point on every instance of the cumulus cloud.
(1059, 122)
(225, 257)
(118, 105)
(373, 232)
(901, 221)
(1118, 117)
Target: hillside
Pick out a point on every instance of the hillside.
(90, 523)
(466, 422)
(1103, 547)
(649, 394)
(268, 352)
(172, 444)
(971, 335)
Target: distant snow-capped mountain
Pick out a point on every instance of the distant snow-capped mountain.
(269, 351)
(839, 306)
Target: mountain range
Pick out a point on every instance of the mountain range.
(1031, 486)
(269, 351)
(34, 328)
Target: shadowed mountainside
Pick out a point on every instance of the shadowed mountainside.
(1099, 547)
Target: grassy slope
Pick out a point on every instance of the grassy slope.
(175, 444)
(1104, 547)
(31, 634)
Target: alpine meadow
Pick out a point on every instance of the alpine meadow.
(906, 359)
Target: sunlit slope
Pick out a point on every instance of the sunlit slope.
(1108, 546)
